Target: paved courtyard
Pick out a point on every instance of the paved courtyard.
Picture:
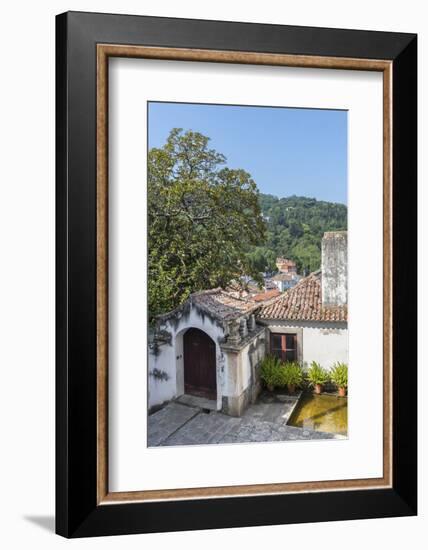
(186, 423)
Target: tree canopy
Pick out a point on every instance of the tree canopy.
(203, 219)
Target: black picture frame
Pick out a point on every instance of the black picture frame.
(77, 511)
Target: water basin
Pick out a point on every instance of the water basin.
(324, 413)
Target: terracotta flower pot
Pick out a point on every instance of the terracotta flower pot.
(342, 392)
(270, 387)
(291, 388)
(318, 388)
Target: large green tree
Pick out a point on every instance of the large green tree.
(203, 219)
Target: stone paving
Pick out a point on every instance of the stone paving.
(180, 424)
(167, 421)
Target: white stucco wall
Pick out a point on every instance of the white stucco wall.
(169, 359)
(325, 345)
(238, 366)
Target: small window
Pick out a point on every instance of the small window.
(284, 346)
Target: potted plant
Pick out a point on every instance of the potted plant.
(339, 376)
(269, 371)
(317, 377)
(291, 376)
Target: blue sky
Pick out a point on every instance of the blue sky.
(286, 151)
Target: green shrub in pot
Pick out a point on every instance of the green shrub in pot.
(339, 377)
(290, 375)
(269, 370)
(317, 376)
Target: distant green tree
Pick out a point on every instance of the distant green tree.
(262, 260)
(203, 219)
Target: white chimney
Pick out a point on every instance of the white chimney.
(334, 268)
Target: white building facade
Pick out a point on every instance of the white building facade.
(212, 346)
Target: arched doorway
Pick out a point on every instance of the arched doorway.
(200, 376)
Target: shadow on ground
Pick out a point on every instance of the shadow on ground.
(44, 522)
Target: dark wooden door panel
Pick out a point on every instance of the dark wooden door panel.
(199, 364)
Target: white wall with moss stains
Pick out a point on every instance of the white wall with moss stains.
(166, 363)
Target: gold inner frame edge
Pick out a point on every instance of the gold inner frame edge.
(104, 51)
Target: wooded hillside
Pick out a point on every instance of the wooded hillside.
(295, 229)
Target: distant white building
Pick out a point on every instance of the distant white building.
(284, 281)
(213, 344)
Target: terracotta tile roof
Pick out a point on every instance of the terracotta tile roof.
(222, 304)
(269, 284)
(263, 296)
(239, 290)
(303, 303)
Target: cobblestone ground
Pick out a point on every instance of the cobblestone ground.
(178, 424)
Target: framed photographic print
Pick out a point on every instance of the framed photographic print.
(236, 274)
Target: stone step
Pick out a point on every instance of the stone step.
(199, 402)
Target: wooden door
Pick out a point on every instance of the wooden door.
(199, 364)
